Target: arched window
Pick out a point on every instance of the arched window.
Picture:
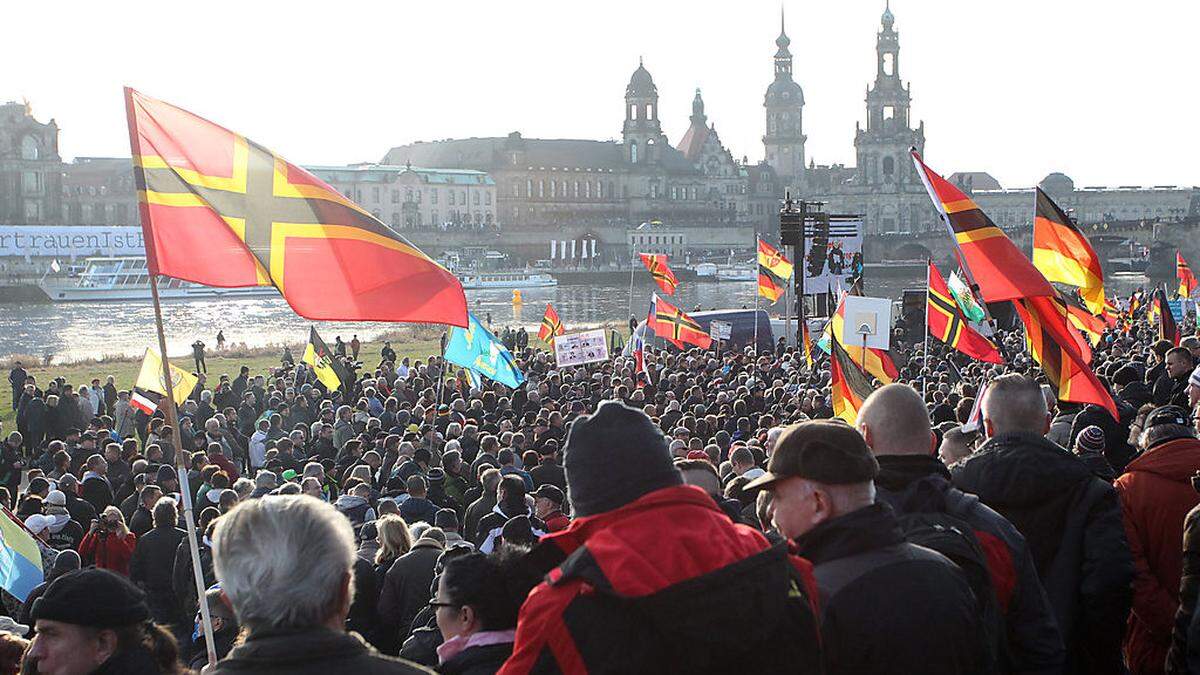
(649, 111)
(889, 165)
(528, 187)
(30, 148)
(633, 156)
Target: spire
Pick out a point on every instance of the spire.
(698, 116)
(782, 41)
(887, 19)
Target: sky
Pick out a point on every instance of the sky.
(1101, 90)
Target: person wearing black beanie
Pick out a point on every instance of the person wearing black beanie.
(614, 456)
(649, 563)
(95, 621)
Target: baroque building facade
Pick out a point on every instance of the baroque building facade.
(30, 168)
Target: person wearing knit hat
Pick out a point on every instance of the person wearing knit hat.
(653, 550)
(1193, 390)
(96, 621)
(1090, 446)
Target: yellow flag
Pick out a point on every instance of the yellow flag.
(150, 378)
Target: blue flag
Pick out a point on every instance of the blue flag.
(477, 350)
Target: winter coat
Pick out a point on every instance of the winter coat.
(314, 651)
(357, 509)
(364, 610)
(1156, 495)
(868, 575)
(1136, 394)
(152, 569)
(921, 484)
(549, 472)
(417, 509)
(407, 587)
(64, 532)
(1060, 429)
(108, 551)
(183, 577)
(477, 660)
(487, 534)
(1184, 655)
(645, 584)
(1117, 450)
(96, 491)
(1071, 521)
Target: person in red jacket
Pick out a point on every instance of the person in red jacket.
(652, 575)
(548, 501)
(1156, 494)
(108, 544)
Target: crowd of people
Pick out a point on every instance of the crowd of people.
(714, 517)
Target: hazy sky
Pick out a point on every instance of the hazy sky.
(1102, 90)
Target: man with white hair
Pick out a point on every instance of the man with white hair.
(289, 596)
(1070, 519)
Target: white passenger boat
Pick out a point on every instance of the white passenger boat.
(126, 278)
(472, 280)
(745, 272)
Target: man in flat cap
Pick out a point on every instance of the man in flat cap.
(886, 605)
(649, 569)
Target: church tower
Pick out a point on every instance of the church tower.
(882, 147)
(642, 133)
(784, 103)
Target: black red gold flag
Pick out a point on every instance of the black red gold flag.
(1063, 254)
(220, 210)
(1055, 346)
(1167, 328)
(1187, 280)
(848, 384)
(994, 263)
(774, 271)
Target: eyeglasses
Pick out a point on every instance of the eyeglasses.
(435, 604)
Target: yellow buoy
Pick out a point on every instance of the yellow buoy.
(517, 297)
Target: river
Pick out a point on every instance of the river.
(81, 331)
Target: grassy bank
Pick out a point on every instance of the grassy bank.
(416, 343)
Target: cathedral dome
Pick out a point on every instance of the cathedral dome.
(641, 84)
(784, 91)
(1057, 184)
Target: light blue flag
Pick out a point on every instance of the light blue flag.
(477, 350)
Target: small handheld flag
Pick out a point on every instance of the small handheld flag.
(551, 327)
(663, 276)
(142, 402)
(476, 349)
(150, 378)
(329, 371)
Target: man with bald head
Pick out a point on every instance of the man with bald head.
(912, 480)
(1071, 521)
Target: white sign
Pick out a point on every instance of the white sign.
(868, 319)
(832, 257)
(720, 330)
(65, 241)
(577, 349)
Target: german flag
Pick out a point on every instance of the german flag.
(220, 210)
(876, 362)
(1055, 346)
(678, 328)
(996, 265)
(806, 343)
(1187, 280)
(1062, 253)
(663, 276)
(551, 326)
(947, 323)
(774, 271)
(848, 385)
(1160, 312)
(1081, 318)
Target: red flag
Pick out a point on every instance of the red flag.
(551, 325)
(679, 328)
(1055, 346)
(220, 210)
(947, 323)
(1187, 280)
(997, 266)
(1167, 328)
(663, 276)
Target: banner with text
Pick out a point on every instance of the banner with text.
(65, 241)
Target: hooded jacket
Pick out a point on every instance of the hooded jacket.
(647, 582)
(63, 532)
(1071, 521)
(1156, 495)
(921, 484)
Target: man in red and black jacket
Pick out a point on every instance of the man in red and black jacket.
(913, 481)
(652, 576)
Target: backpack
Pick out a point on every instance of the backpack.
(955, 539)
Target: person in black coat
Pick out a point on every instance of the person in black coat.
(153, 563)
(821, 480)
(1071, 521)
(406, 589)
(913, 481)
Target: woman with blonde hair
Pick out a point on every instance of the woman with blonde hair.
(109, 543)
(394, 541)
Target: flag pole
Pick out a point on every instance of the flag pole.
(925, 364)
(181, 471)
(632, 269)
